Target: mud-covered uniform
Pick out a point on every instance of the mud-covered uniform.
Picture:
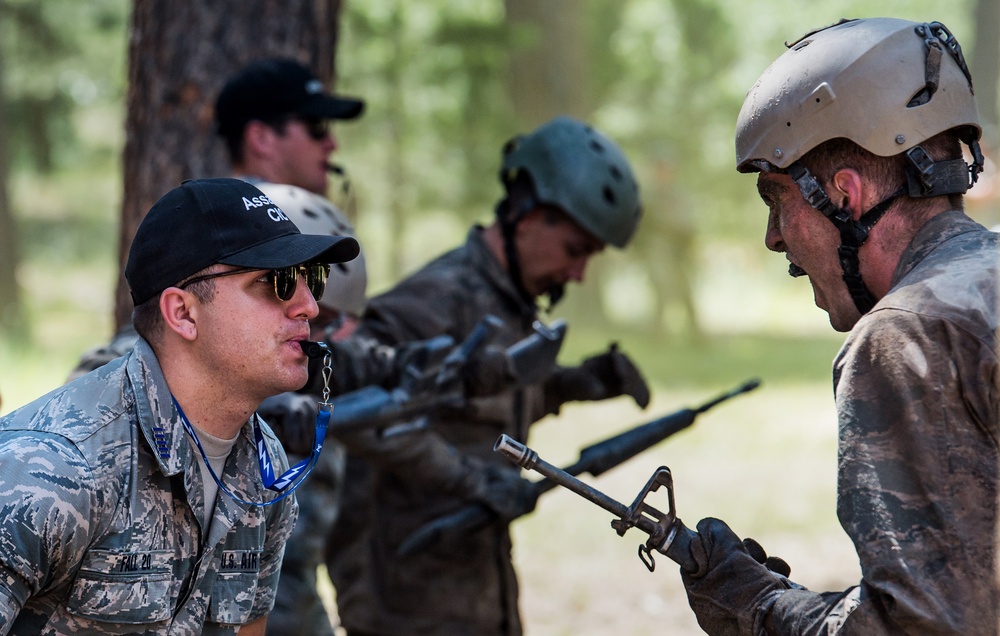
(917, 397)
(103, 527)
(468, 586)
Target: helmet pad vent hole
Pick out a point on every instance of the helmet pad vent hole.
(609, 195)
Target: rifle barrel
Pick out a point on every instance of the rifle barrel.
(746, 387)
(604, 455)
(529, 459)
(667, 534)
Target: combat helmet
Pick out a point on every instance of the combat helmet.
(885, 84)
(313, 214)
(580, 171)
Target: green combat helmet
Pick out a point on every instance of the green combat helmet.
(580, 171)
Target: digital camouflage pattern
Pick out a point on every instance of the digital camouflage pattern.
(916, 387)
(468, 586)
(102, 515)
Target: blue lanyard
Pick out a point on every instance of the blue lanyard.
(287, 482)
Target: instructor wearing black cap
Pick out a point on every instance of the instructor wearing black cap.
(274, 117)
(136, 497)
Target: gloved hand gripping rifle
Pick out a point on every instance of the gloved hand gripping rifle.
(430, 383)
(594, 459)
(435, 381)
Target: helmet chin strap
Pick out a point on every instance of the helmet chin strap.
(925, 178)
(508, 223)
(555, 295)
(853, 234)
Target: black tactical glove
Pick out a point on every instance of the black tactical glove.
(488, 371)
(603, 376)
(736, 582)
(292, 416)
(505, 492)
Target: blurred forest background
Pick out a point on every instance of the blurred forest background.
(696, 298)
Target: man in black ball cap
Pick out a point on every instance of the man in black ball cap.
(112, 521)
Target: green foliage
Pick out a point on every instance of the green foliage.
(62, 57)
(62, 92)
(432, 75)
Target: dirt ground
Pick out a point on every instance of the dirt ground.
(764, 462)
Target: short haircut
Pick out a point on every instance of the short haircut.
(889, 173)
(147, 319)
(234, 139)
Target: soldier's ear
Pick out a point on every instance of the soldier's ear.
(847, 190)
(259, 139)
(180, 310)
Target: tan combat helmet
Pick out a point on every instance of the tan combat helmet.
(580, 171)
(347, 285)
(884, 83)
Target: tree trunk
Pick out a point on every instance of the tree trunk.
(180, 54)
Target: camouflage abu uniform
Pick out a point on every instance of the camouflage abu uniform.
(103, 515)
(469, 586)
(916, 388)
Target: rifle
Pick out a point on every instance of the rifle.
(430, 382)
(434, 382)
(594, 459)
(667, 534)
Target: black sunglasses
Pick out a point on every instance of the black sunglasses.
(317, 129)
(284, 279)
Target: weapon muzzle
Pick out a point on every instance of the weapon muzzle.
(515, 451)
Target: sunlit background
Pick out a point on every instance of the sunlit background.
(696, 299)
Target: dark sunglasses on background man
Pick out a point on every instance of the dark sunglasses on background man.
(317, 129)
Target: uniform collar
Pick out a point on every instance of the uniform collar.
(159, 420)
(939, 229)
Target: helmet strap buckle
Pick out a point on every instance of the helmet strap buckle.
(928, 178)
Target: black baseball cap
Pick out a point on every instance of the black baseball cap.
(228, 221)
(273, 88)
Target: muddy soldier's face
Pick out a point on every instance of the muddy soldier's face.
(809, 241)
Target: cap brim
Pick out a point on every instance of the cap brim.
(333, 107)
(293, 249)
